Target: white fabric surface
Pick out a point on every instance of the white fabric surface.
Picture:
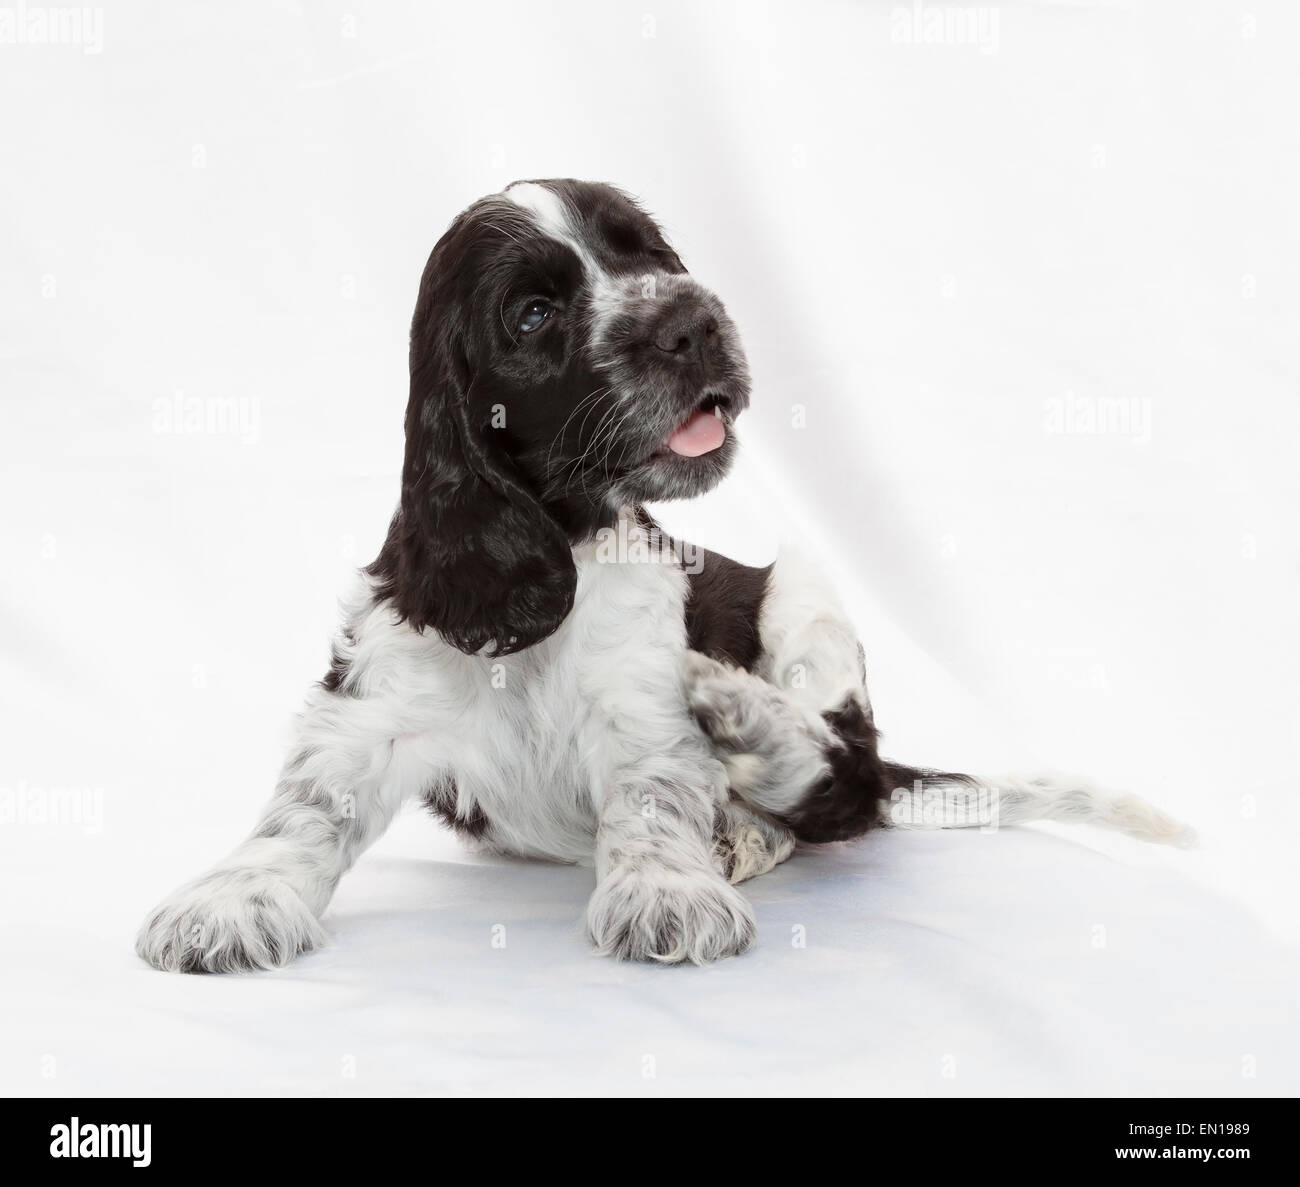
(931, 251)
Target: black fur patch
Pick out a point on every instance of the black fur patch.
(843, 803)
(333, 680)
(846, 801)
(723, 602)
(723, 607)
(441, 800)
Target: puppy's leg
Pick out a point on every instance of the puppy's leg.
(344, 779)
(659, 894)
(746, 844)
(796, 737)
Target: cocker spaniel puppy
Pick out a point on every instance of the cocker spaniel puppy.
(535, 660)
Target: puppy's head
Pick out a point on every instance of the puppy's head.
(564, 364)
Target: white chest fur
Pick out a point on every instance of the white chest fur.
(531, 740)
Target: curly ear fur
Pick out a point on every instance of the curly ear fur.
(471, 551)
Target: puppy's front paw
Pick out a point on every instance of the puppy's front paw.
(654, 913)
(229, 921)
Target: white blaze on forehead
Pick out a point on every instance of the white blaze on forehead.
(545, 205)
(554, 220)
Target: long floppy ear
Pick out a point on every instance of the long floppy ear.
(471, 552)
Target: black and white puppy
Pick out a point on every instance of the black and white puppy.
(530, 655)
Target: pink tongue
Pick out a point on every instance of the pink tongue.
(703, 433)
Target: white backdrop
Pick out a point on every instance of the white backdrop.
(1018, 284)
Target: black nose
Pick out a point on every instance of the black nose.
(685, 330)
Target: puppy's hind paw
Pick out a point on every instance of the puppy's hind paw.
(747, 845)
(730, 707)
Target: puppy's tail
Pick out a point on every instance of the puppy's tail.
(921, 798)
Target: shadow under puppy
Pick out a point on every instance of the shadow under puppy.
(531, 657)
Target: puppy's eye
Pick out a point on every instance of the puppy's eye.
(535, 313)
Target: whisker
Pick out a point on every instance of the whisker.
(577, 408)
(612, 440)
(590, 451)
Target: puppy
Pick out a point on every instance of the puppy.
(536, 661)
